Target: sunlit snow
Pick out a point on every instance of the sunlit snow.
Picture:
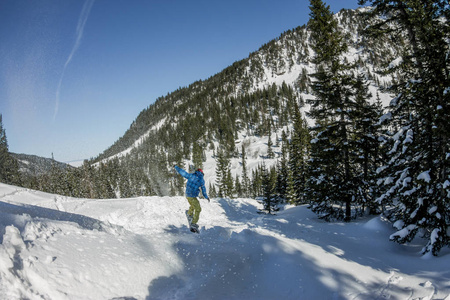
(55, 247)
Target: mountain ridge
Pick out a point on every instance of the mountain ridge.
(284, 59)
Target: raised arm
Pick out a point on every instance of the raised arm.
(182, 172)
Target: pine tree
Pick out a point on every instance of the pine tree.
(223, 175)
(291, 194)
(9, 169)
(270, 153)
(256, 185)
(245, 179)
(268, 187)
(299, 153)
(229, 185)
(103, 184)
(178, 184)
(87, 184)
(212, 191)
(366, 134)
(417, 176)
(283, 168)
(237, 187)
(56, 184)
(327, 41)
(332, 185)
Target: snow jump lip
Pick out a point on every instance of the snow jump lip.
(52, 214)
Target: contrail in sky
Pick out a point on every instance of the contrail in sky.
(78, 34)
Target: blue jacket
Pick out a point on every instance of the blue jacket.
(194, 183)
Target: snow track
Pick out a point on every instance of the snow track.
(54, 247)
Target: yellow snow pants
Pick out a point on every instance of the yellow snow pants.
(194, 209)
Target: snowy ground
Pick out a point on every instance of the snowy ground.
(54, 247)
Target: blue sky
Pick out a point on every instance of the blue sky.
(75, 74)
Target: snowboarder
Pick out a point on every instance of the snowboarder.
(194, 184)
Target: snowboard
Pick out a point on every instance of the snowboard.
(192, 227)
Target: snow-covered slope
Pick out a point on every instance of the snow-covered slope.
(53, 247)
(136, 144)
(285, 60)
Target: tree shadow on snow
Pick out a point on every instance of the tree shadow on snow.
(220, 264)
(237, 211)
(354, 243)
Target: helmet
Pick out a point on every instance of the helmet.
(201, 171)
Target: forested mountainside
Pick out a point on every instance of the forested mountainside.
(259, 97)
(243, 93)
(247, 94)
(35, 165)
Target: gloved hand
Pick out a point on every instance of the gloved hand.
(209, 200)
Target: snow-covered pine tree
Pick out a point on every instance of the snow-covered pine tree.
(366, 134)
(332, 184)
(416, 177)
